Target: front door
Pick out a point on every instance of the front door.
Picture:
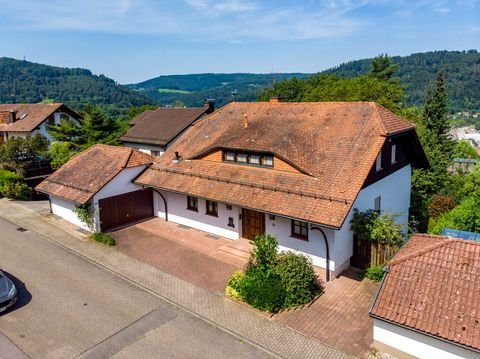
(253, 223)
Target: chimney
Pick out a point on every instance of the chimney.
(276, 99)
(245, 120)
(209, 105)
(12, 117)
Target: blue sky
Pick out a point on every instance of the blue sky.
(134, 40)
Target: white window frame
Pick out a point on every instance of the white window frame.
(378, 162)
(394, 154)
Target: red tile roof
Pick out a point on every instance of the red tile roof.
(162, 125)
(333, 143)
(33, 115)
(85, 174)
(432, 286)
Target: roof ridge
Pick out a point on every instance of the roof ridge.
(128, 158)
(379, 117)
(438, 244)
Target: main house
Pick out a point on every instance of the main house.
(21, 120)
(428, 305)
(293, 170)
(154, 130)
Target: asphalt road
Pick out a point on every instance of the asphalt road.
(69, 307)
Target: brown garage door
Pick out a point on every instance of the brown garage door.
(125, 209)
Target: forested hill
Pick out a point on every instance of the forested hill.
(416, 71)
(193, 89)
(28, 82)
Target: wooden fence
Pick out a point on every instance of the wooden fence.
(367, 254)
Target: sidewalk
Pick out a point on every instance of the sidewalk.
(217, 310)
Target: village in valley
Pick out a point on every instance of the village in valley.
(236, 215)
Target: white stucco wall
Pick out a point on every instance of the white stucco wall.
(394, 191)
(145, 148)
(416, 344)
(121, 183)
(178, 213)
(66, 210)
(315, 246)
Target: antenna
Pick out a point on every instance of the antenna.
(234, 92)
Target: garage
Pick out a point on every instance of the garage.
(125, 209)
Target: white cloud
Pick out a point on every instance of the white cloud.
(442, 10)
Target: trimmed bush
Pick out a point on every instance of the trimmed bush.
(103, 238)
(263, 291)
(374, 273)
(273, 281)
(234, 284)
(298, 278)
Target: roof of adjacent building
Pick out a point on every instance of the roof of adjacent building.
(88, 172)
(161, 126)
(431, 286)
(332, 144)
(30, 116)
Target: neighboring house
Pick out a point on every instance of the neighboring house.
(428, 305)
(154, 130)
(100, 178)
(293, 170)
(21, 120)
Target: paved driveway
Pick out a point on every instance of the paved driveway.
(69, 307)
(338, 318)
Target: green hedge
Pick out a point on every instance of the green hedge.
(12, 186)
(374, 273)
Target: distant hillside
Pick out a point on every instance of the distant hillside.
(193, 89)
(23, 81)
(416, 71)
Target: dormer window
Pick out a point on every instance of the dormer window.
(230, 156)
(267, 161)
(255, 159)
(248, 158)
(242, 157)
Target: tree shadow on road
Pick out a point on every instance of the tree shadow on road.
(23, 295)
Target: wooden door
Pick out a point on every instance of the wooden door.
(253, 223)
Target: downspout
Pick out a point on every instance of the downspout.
(163, 197)
(327, 274)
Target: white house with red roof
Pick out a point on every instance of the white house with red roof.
(293, 170)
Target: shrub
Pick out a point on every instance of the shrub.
(376, 228)
(16, 190)
(103, 238)
(274, 281)
(234, 285)
(298, 278)
(12, 186)
(440, 204)
(84, 214)
(263, 290)
(374, 273)
(264, 253)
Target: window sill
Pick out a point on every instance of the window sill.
(212, 214)
(301, 238)
(192, 209)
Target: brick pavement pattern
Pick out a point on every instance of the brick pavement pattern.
(232, 317)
